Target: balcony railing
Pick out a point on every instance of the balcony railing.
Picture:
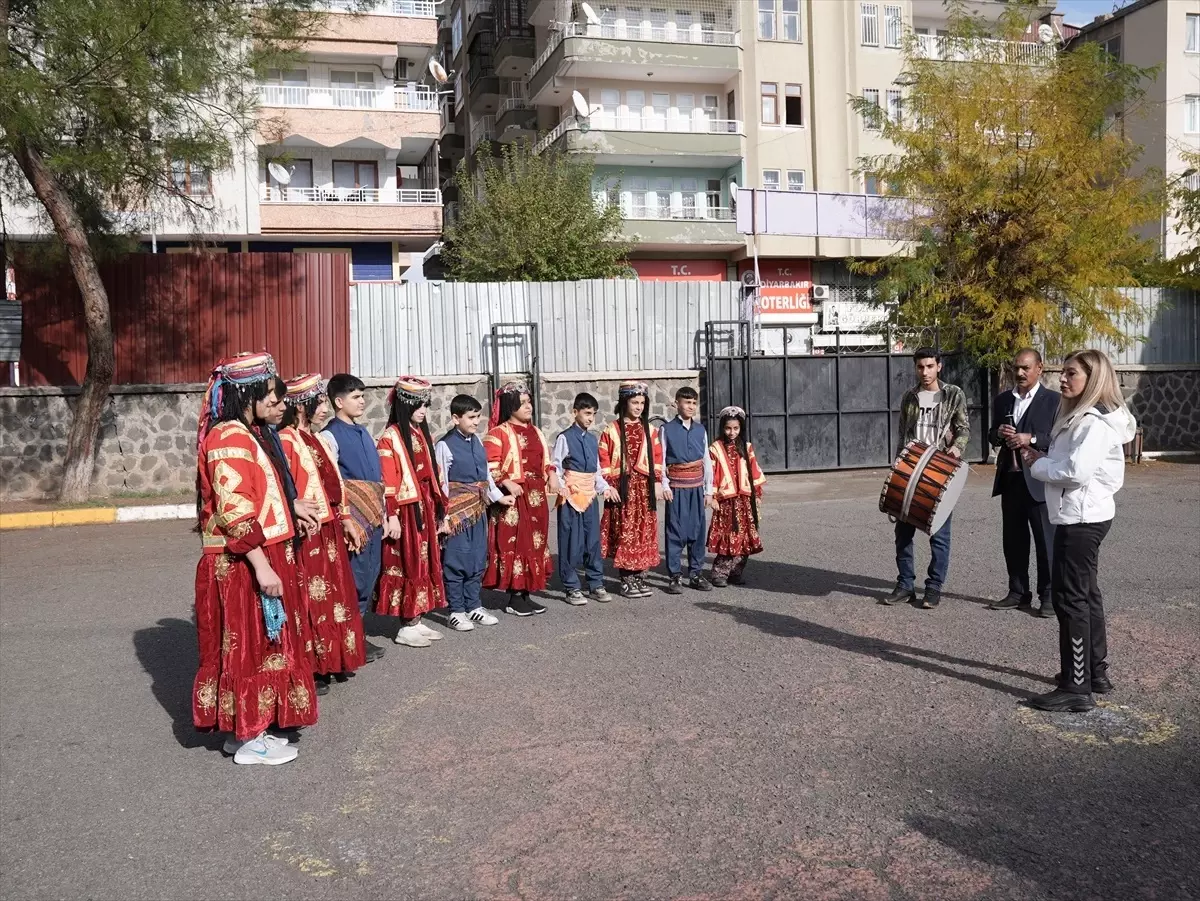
(942, 47)
(483, 130)
(509, 104)
(402, 197)
(650, 123)
(699, 213)
(417, 99)
(423, 9)
(666, 34)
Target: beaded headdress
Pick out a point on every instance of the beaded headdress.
(304, 388)
(410, 390)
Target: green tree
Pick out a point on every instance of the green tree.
(1185, 204)
(1024, 214)
(98, 100)
(528, 217)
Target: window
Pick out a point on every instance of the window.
(637, 198)
(685, 106)
(689, 188)
(766, 20)
(349, 88)
(1192, 30)
(610, 106)
(660, 107)
(871, 185)
(191, 179)
(708, 27)
(683, 24)
(892, 27)
(635, 105)
(354, 175)
(1191, 114)
(793, 105)
(791, 20)
(770, 179)
(292, 78)
(871, 117)
(1113, 47)
(795, 179)
(712, 197)
(455, 35)
(894, 106)
(770, 103)
(662, 196)
(869, 17)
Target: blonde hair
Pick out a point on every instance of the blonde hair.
(1102, 388)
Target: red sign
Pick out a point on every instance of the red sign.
(785, 290)
(680, 270)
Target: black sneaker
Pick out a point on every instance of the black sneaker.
(1011, 601)
(644, 590)
(898, 596)
(737, 579)
(699, 583)
(518, 605)
(1101, 684)
(374, 651)
(1046, 611)
(674, 586)
(600, 595)
(322, 683)
(629, 589)
(532, 604)
(574, 597)
(931, 599)
(719, 581)
(1059, 701)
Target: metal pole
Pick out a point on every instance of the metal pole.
(754, 314)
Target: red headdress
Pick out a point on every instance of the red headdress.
(304, 388)
(411, 390)
(517, 388)
(243, 369)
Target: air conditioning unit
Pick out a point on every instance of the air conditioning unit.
(820, 292)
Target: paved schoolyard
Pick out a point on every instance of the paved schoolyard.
(791, 739)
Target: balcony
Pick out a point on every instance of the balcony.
(483, 130)
(664, 227)
(950, 49)
(671, 53)
(333, 117)
(516, 119)
(515, 47)
(648, 140)
(350, 211)
(375, 31)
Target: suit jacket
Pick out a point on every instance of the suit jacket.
(1038, 421)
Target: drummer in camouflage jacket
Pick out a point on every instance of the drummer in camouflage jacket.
(931, 412)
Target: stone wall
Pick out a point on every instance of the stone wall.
(148, 432)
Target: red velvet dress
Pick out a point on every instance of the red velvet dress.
(519, 558)
(334, 621)
(246, 682)
(733, 532)
(411, 581)
(629, 530)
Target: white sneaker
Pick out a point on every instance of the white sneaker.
(410, 636)
(459, 623)
(431, 634)
(481, 617)
(259, 750)
(232, 744)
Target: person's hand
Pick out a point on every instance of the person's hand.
(1018, 440)
(712, 503)
(512, 488)
(444, 528)
(955, 452)
(612, 495)
(507, 501)
(268, 580)
(354, 542)
(658, 491)
(1031, 456)
(1005, 431)
(555, 485)
(391, 528)
(306, 512)
(668, 494)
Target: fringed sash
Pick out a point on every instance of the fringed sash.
(686, 475)
(580, 490)
(467, 505)
(365, 500)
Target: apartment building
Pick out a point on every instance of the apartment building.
(687, 98)
(1163, 33)
(344, 156)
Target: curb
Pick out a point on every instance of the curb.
(95, 516)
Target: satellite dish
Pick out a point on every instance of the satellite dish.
(438, 71)
(581, 104)
(280, 174)
(1045, 33)
(590, 14)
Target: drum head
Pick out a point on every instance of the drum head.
(945, 507)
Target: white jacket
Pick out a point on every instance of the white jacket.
(1085, 466)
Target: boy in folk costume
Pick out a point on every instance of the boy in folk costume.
(519, 463)
(688, 491)
(631, 459)
(411, 582)
(333, 615)
(253, 671)
(353, 449)
(468, 488)
(733, 535)
(576, 459)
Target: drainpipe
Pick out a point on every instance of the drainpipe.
(812, 114)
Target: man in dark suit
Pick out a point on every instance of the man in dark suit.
(1032, 408)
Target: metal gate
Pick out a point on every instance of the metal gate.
(837, 410)
(516, 350)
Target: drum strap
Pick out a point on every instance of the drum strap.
(918, 470)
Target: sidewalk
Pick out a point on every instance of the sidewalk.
(42, 514)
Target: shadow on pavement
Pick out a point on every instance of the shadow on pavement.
(784, 626)
(169, 654)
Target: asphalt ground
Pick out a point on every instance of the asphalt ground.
(788, 739)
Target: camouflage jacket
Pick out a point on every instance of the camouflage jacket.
(953, 424)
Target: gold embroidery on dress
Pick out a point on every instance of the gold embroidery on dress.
(522, 441)
(331, 550)
(423, 598)
(318, 589)
(222, 566)
(206, 695)
(289, 553)
(518, 568)
(240, 529)
(299, 697)
(321, 648)
(394, 600)
(273, 663)
(351, 642)
(511, 516)
(229, 642)
(308, 646)
(536, 498)
(424, 550)
(266, 699)
(228, 704)
(340, 614)
(538, 540)
(394, 571)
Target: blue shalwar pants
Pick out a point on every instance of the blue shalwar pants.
(464, 560)
(685, 530)
(365, 566)
(579, 545)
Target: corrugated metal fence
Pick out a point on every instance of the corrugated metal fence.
(1166, 328)
(445, 328)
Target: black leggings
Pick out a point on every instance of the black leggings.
(1082, 641)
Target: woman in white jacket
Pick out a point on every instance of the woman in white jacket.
(1083, 468)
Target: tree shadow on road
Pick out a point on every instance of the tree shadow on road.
(783, 626)
(169, 654)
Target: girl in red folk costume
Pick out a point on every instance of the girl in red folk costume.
(411, 583)
(519, 463)
(733, 535)
(253, 670)
(333, 616)
(631, 458)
